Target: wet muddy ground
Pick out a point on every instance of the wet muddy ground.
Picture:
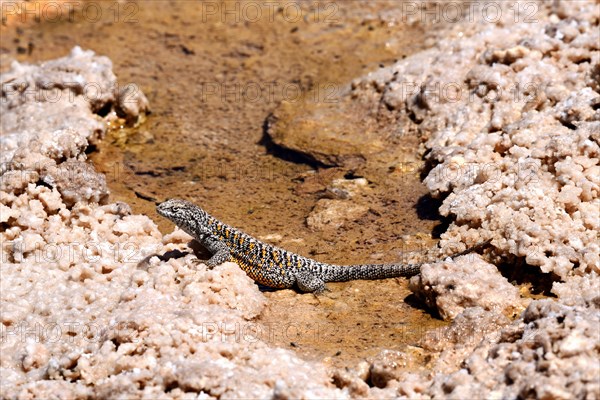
(213, 76)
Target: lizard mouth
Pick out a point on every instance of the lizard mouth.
(163, 208)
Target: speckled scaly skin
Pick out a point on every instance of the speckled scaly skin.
(266, 264)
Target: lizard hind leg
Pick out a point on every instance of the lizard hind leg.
(309, 283)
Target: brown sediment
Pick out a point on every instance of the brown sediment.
(205, 141)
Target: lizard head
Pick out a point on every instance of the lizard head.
(188, 216)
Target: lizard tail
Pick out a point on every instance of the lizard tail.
(343, 273)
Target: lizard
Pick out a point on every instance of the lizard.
(270, 265)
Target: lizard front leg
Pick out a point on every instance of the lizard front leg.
(220, 251)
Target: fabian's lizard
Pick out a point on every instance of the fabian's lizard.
(270, 265)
